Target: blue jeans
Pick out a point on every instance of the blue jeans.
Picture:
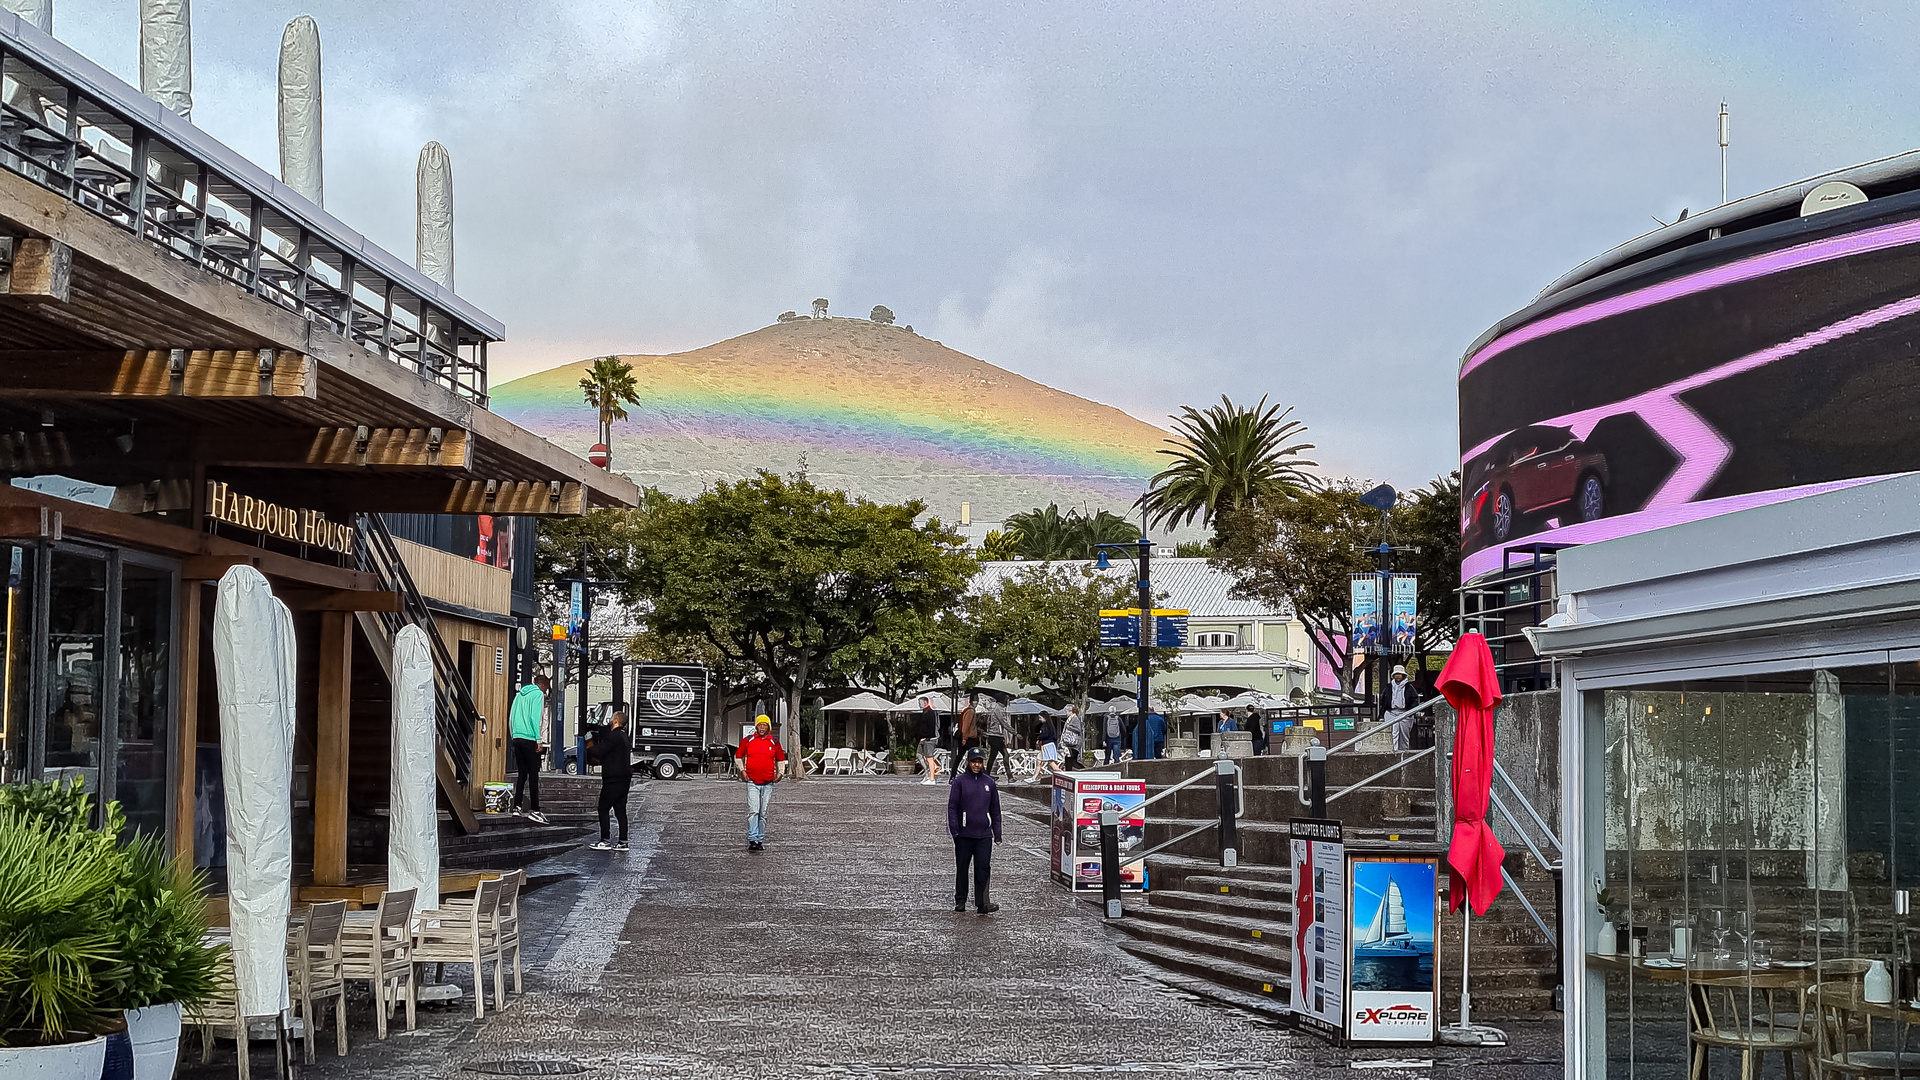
(758, 798)
(1113, 749)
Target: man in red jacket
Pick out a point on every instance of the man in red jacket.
(760, 756)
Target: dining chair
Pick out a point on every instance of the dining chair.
(1755, 1013)
(466, 932)
(1843, 1035)
(315, 971)
(380, 951)
(507, 921)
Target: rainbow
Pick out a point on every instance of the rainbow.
(874, 409)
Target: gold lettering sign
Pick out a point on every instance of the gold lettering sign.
(309, 527)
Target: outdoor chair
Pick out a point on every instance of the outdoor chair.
(507, 922)
(1755, 1013)
(219, 1015)
(466, 932)
(315, 972)
(379, 950)
(840, 762)
(1843, 1035)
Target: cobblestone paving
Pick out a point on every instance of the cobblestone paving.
(836, 953)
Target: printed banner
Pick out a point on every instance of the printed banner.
(1403, 591)
(1366, 613)
(1393, 988)
(1319, 924)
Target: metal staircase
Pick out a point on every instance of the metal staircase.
(455, 716)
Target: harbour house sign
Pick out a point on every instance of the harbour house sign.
(309, 527)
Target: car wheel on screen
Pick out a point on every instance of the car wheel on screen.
(573, 767)
(1502, 516)
(1591, 498)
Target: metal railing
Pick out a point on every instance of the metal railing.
(1500, 608)
(455, 717)
(71, 127)
(1229, 780)
(1300, 763)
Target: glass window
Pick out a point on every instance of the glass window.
(75, 649)
(145, 696)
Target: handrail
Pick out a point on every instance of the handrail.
(1527, 805)
(1300, 762)
(1533, 848)
(456, 717)
(1239, 783)
(1514, 888)
(1357, 785)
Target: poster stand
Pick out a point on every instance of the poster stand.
(1319, 987)
(1078, 799)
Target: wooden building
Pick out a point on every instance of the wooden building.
(200, 369)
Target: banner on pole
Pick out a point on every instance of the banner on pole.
(1366, 613)
(1403, 591)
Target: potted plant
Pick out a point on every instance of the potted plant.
(1608, 939)
(903, 757)
(159, 924)
(57, 946)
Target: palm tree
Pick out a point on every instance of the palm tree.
(1048, 534)
(1227, 458)
(609, 386)
(1104, 527)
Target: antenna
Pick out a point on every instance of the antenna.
(1724, 137)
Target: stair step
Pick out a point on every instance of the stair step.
(1264, 891)
(1259, 984)
(1268, 953)
(1255, 909)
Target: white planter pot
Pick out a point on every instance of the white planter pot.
(1608, 940)
(155, 1034)
(64, 1062)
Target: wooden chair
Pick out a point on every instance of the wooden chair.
(1843, 1035)
(507, 922)
(315, 972)
(219, 1015)
(1755, 1013)
(380, 951)
(466, 932)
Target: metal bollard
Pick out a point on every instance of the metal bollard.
(1110, 862)
(1317, 779)
(1224, 771)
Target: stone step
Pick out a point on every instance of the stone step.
(1268, 953)
(1276, 893)
(1247, 907)
(1249, 987)
(1249, 925)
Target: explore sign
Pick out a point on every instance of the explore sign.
(309, 527)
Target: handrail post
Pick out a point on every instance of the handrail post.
(1110, 862)
(1317, 779)
(1225, 772)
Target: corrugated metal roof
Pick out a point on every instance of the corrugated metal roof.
(1188, 583)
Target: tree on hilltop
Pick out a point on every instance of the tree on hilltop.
(608, 386)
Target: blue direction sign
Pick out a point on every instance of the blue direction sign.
(1120, 627)
(1170, 631)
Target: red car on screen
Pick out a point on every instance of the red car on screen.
(1528, 474)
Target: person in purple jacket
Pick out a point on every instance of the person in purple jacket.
(973, 820)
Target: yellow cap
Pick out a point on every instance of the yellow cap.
(763, 718)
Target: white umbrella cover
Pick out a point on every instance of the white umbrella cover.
(413, 822)
(864, 702)
(253, 662)
(941, 703)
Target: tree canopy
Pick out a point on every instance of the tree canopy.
(1227, 458)
(1042, 627)
(1041, 534)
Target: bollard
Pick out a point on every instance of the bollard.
(1223, 778)
(1110, 862)
(1317, 778)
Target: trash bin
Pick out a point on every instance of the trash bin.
(499, 798)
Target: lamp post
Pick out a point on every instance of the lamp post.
(1143, 557)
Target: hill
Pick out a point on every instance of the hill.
(877, 410)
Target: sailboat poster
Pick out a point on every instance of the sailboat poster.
(1392, 988)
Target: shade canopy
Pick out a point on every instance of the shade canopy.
(413, 826)
(1254, 699)
(1026, 706)
(1194, 703)
(941, 703)
(253, 663)
(863, 702)
(1474, 856)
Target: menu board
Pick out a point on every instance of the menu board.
(1319, 924)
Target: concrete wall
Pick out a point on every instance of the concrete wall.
(1526, 742)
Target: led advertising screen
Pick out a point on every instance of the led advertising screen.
(1772, 363)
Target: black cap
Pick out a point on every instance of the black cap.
(975, 755)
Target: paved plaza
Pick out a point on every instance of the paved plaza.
(836, 952)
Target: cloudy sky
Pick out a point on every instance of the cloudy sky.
(1148, 204)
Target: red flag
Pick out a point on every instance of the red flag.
(1474, 857)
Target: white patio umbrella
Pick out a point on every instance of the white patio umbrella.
(1253, 699)
(253, 661)
(1025, 706)
(941, 702)
(1194, 703)
(413, 822)
(864, 702)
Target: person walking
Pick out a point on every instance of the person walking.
(929, 741)
(1112, 732)
(997, 729)
(966, 736)
(1401, 697)
(525, 721)
(1156, 737)
(973, 820)
(1048, 762)
(761, 757)
(1072, 734)
(615, 746)
(1259, 725)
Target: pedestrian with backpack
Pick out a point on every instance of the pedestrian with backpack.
(761, 757)
(615, 749)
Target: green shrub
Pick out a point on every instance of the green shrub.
(159, 919)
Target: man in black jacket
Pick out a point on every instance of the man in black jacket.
(615, 748)
(973, 820)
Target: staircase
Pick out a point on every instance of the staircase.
(455, 716)
(1227, 933)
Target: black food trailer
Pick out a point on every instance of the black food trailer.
(668, 720)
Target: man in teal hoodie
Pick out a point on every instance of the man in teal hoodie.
(524, 725)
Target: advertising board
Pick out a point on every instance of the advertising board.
(1392, 985)
(1769, 364)
(1366, 612)
(1078, 798)
(1319, 924)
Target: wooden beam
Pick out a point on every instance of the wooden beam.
(231, 553)
(336, 448)
(183, 372)
(340, 600)
(514, 497)
(186, 721)
(42, 270)
(331, 746)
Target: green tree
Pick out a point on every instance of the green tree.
(1042, 627)
(1430, 520)
(999, 546)
(609, 387)
(1041, 535)
(908, 649)
(1227, 459)
(776, 572)
(1300, 552)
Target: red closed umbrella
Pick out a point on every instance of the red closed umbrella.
(1474, 857)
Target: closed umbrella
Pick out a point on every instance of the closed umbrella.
(413, 826)
(253, 663)
(1474, 857)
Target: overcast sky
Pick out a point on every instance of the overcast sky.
(1148, 204)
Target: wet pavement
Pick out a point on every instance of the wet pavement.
(836, 953)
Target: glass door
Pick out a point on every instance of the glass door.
(74, 668)
(144, 695)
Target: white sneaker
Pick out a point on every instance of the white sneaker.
(601, 845)
(536, 815)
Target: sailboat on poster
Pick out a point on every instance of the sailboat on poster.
(1387, 935)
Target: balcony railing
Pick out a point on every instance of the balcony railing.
(71, 127)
